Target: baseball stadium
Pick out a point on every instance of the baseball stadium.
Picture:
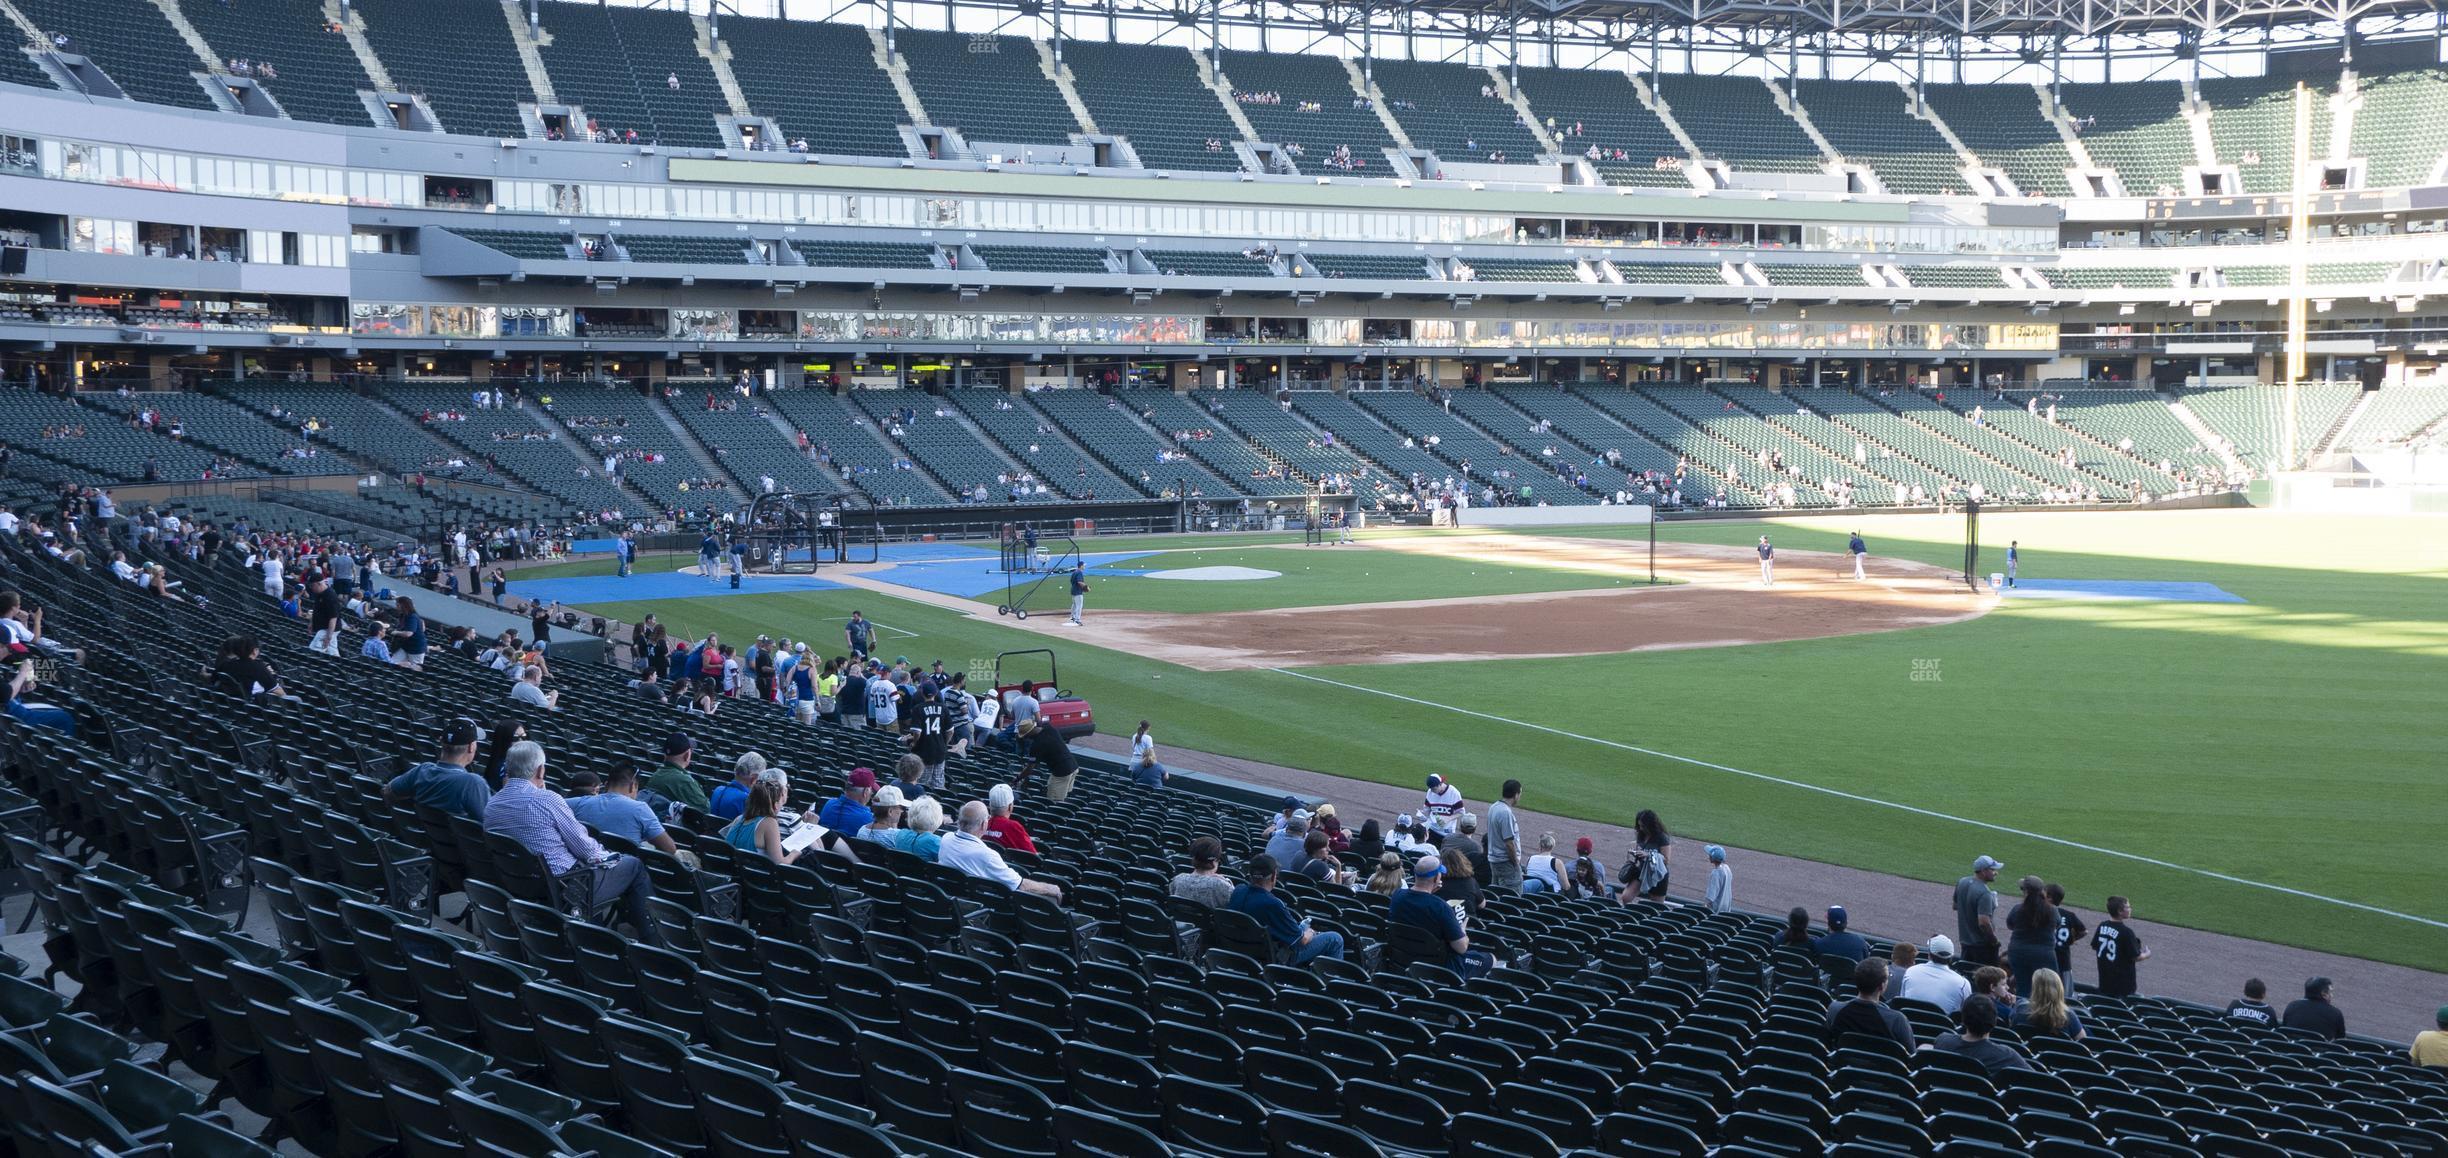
(735, 580)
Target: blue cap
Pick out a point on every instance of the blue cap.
(1836, 917)
(1435, 780)
(1716, 852)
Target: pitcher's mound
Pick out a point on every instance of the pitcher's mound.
(1214, 574)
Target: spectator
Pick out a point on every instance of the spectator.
(1204, 883)
(34, 714)
(1001, 828)
(1863, 1013)
(1544, 871)
(409, 637)
(2317, 1012)
(759, 826)
(1441, 805)
(1370, 843)
(527, 812)
(1318, 860)
(2070, 929)
(1797, 933)
(2031, 928)
(1040, 744)
(1144, 767)
(1460, 887)
(529, 690)
(1504, 850)
(1972, 1041)
(499, 738)
(919, 833)
(1389, 874)
(731, 796)
(672, 781)
(2046, 1012)
(1588, 875)
(1463, 844)
(1996, 984)
(1421, 907)
(2252, 1008)
(1283, 814)
(1645, 875)
(1936, 981)
(1976, 912)
(615, 810)
(241, 668)
(889, 806)
(1838, 941)
(1720, 895)
(1295, 941)
(323, 614)
(1285, 846)
(2431, 1045)
(445, 782)
(966, 849)
(909, 775)
(2119, 949)
(1337, 837)
(1900, 960)
(930, 737)
(848, 813)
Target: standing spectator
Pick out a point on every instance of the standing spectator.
(2317, 1012)
(672, 781)
(1644, 876)
(2070, 929)
(2119, 950)
(1976, 912)
(930, 737)
(1544, 871)
(1295, 941)
(1865, 1013)
(968, 850)
(1442, 804)
(527, 812)
(1043, 745)
(1839, 941)
(2431, 1045)
(1720, 895)
(2031, 928)
(1004, 831)
(1143, 765)
(2047, 1012)
(1936, 981)
(409, 637)
(848, 812)
(323, 614)
(1420, 906)
(1204, 883)
(2252, 1008)
(1504, 840)
(1972, 1041)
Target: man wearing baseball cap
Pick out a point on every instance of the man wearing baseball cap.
(1420, 907)
(1442, 805)
(445, 782)
(1934, 978)
(848, 812)
(1839, 941)
(1976, 912)
(672, 781)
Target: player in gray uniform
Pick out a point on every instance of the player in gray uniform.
(1767, 556)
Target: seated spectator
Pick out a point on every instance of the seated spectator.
(1837, 942)
(2251, 1008)
(2315, 1013)
(1936, 981)
(1389, 874)
(1369, 844)
(725, 802)
(1286, 845)
(1543, 872)
(1972, 1041)
(1463, 842)
(759, 826)
(1460, 885)
(1797, 934)
(1421, 907)
(888, 807)
(1205, 882)
(672, 781)
(2431, 1045)
(968, 850)
(848, 813)
(527, 812)
(1338, 838)
(2046, 1012)
(34, 714)
(1318, 861)
(242, 670)
(909, 775)
(1900, 959)
(1587, 876)
(917, 834)
(529, 690)
(445, 782)
(615, 810)
(1000, 827)
(1997, 985)
(1295, 941)
(1865, 1013)
(1143, 764)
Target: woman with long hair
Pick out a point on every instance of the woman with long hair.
(1587, 876)
(1370, 844)
(502, 734)
(2047, 1012)
(759, 827)
(1797, 930)
(1389, 875)
(2032, 928)
(1644, 876)
(1461, 886)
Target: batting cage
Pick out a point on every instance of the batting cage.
(800, 534)
(1037, 575)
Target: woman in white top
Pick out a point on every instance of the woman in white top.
(1543, 873)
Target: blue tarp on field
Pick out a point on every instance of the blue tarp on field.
(2125, 589)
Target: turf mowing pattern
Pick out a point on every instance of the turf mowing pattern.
(2296, 739)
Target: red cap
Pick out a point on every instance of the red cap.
(862, 778)
(1583, 846)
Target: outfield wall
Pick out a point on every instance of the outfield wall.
(1633, 514)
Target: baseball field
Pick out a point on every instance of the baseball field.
(2238, 718)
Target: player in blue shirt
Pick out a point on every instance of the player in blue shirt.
(709, 555)
(1860, 552)
(1767, 556)
(2012, 557)
(1079, 591)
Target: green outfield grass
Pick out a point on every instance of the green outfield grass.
(2294, 740)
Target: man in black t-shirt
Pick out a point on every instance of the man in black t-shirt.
(323, 614)
(931, 734)
(2119, 949)
(2250, 1008)
(2316, 1012)
(539, 623)
(1865, 1013)
(1043, 745)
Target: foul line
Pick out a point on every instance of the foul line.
(1872, 800)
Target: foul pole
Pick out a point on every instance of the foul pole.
(2298, 255)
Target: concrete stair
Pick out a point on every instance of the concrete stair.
(187, 32)
(1362, 86)
(1061, 76)
(352, 28)
(1521, 106)
(526, 41)
(717, 54)
(891, 63)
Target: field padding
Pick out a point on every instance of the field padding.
(1629, 515)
